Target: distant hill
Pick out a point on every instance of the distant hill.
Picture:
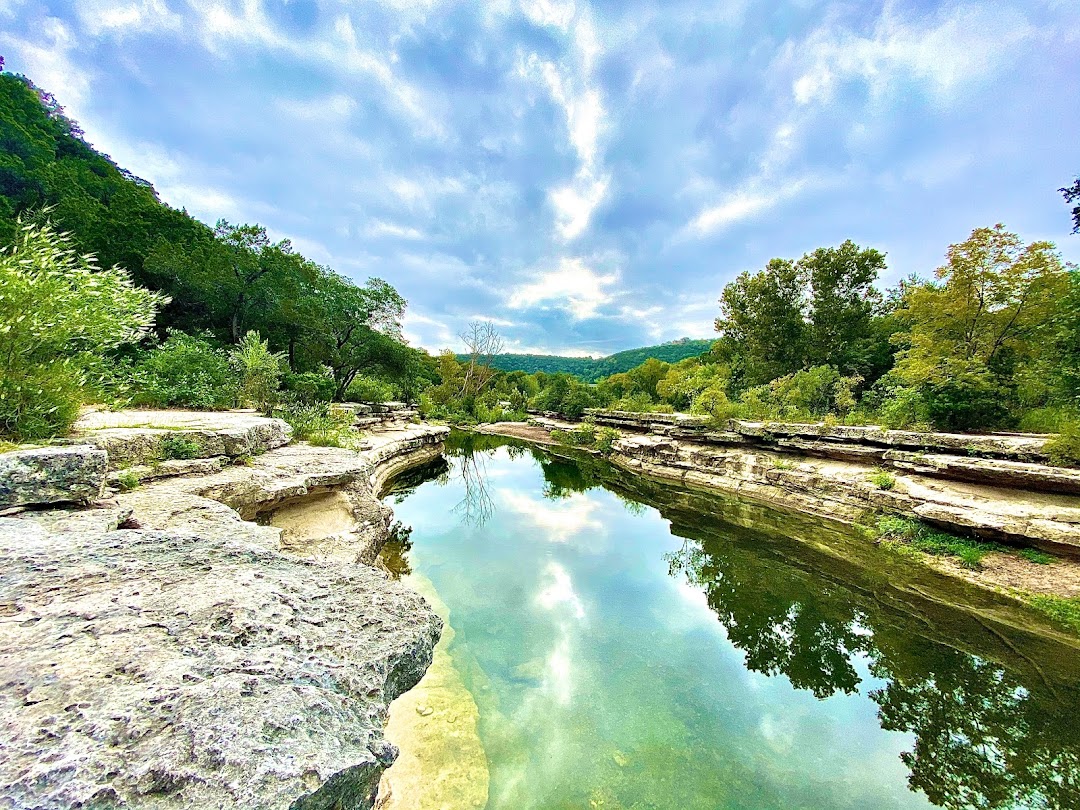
(591, 369)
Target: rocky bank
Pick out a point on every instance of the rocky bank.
(163, 648)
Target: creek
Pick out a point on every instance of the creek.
(617, 643)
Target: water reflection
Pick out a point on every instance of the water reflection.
(990, 703)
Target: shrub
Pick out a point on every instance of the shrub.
(902, 408)
(714, 403)
(965, 401)
(185, 370)
(369, 389)
(310, 387)
(127, 480)
(259, 370)
(315, 422)
(883, 480)
(914, 534)
(605, 440)
(1049, 420)
(180, 447)
(59, 315)
(1064, 449)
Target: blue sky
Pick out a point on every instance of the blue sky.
(586, 175)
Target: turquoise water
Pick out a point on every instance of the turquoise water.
(631, 645)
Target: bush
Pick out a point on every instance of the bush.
(714, 403)
(128, 480)
(883, 480)
(605, 440)
(259, 370)
(316, 423)
(185, 370)
(180, 447)
(902, 409)
(310, 387)
(965, 402)
(1049, 420)
(60, 314)
(1064, 449)
(369, 389)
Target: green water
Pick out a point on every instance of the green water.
(632, 645)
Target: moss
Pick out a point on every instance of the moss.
(905, 535)
(1062, 610)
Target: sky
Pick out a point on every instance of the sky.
(586, 176)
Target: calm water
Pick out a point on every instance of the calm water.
(636, 646)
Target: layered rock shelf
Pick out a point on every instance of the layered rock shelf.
(993, 487)
(160, 649)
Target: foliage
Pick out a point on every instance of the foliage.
(128, 480)
(187, 371)
(259, 371)
(1061, 609)
(1072, 195)
(318, 423)
(59, 314)
(590, 369)
(1064, 449)
(714, 403)
(1036, 556)
(310, 386)
(916, 535)
(605, 440)
(369, 389)
(180, 447)
(804, 395)
(883, 480)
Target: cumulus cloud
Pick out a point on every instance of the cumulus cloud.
(572, 286)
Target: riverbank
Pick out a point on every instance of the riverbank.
(174, 646)
(844, 475)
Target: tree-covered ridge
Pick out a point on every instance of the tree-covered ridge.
(593, 369)
(64, 203)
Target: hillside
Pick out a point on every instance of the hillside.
(591, 369)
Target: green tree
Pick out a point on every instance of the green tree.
(762, 322)
(60, 313)
(1072, 197)
(991, 311)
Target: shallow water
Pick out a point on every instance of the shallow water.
(704, 652)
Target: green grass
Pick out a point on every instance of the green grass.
(883, 480)
(179, 447)
(1036, 556)
(1065, 611)
(127, 480)
(6, 446)
(905, 534)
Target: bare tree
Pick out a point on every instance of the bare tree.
(483, 342)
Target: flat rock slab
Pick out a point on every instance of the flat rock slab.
(159, 669)
(51, 475)
(134, 438)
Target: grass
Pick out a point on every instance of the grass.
(903, 534)
(1036, 556)
(1065, 611)
(127, 480)
(6, 446)
(883, 480)
(178, 447)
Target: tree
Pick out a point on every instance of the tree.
(59, 314)
(1072, 195)
(990, 312)
(360, 329)
(843, 302)
(482, 343)
(762, 322)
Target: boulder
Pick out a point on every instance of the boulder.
(52, 475)
(168, 670)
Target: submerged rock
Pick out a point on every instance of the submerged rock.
(51, 475)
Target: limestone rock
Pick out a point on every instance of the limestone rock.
(51, 475)
(169, 670)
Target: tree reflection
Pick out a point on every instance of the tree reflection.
(984, 737)
(477, 506)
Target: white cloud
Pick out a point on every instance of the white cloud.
(561, 520)
(556, 13)
(140, 16)
(744, 203)
(574, 204)
(963, 44)
(49, 62)
(335, 106)
(380, 228)
(573, 286)
(559, 591)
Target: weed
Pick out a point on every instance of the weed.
(179, 447)
(883, 480)
(904, 534)
(782, 464)
(128, 480)
(1065, 611)
(1036, 556)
